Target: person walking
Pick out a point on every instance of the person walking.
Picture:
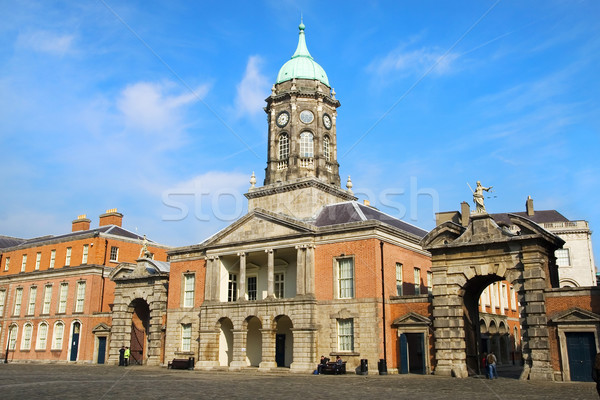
(491, 362)
(126, 355)
(122, 356)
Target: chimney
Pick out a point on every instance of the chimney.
(529, 206)
(465, 213)
(81, 224)
(367, 203)
(111, 217)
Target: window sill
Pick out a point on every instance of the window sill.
(344, 354)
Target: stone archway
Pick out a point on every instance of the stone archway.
(140, 326)
(225, 342)
(253, 341)
(284, 341)
(467, 259)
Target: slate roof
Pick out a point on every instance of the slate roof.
(351, 211)
(539, 217)
(7, 241)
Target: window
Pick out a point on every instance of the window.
(2, 301)
(279, 286)
(62, 298)
(31, 304)
(326, 151)
(80, 297)
(38, 260)
(251, 288)
(494, 295)
(85, 254)
(306, 144)
(346, 334)
(26, 339)
(68, 257)
(52, 258)
(186, 337)
(486, 293)
(417, 281)
(562, 257)
(345, 278)
(399, 279)
(12, 334)
(188, 296)
(42, 336)
(513, 299)
(504, 289)
(47, 299)
(232, 288)
(114, 253)
(57, 338)
(284, 146)
(23, 262)
(18, 299)
(6, 263)
(429, 282)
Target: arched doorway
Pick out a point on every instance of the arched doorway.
(140, 323)
(254, 341)
(225, 342)
(284, 341)
(74, 345)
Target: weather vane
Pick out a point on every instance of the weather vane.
(478, 197)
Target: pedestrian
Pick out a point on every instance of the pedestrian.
(122, 356)
(491, 361)
(596, 372)
(126, 355)
(484, 365)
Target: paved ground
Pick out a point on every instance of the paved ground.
(24, 381)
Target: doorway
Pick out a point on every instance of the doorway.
(75, 341)
(412, 353)
(101, 349)
(140, 323)
(581, 348)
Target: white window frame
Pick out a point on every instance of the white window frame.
(84, 257)
(58, 335)
(52, 259)
(32, 299)
(563, 257)
(186, 337)
(326, 148)
(18, 301)
(114, 253)
(23, 262)
(504, 290)
(6, 263)
(38, 260)
(255, 287)
(345, 277)
(68, 257)
(399, 282)
(42, 336)
(13, 331)
(417, 281)
(307, 145)
(63, 295)
(345, 333)
(2, 301)
(47, 299)
(279, 285)
(80, 299)
(513, 298)
(26, 337)
(232, 288)
(284, 146)
(189, 290)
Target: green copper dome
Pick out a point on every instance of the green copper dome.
(302, 65)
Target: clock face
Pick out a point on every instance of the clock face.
(327, 121)
(282, 119)
(306, 116)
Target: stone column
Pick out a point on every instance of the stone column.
(304, 353)
(300, 264)
(158, 307)
(209, 279)
(268, 350)
(242, 285)
(310, 270)
(120, 334)
(208, 352)
(239, 350)
(270, 272)
(216, 277)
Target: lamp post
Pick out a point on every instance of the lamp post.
(7, 347)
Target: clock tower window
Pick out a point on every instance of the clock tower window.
(306, 144)
(326, 151)
(284, 146)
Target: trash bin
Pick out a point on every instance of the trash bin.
(191, 362)
(364, 367)
(382, 367)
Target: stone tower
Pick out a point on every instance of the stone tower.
(302, 173)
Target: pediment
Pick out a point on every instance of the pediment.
(442, 234)
(576, 315)
(144, 268)
(121, 271)
(101, 328)
(412, 319)
(259, 225)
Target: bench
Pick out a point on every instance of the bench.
(333, 368)
(181, 363)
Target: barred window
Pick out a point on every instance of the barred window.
(345, 278)
(345, 334)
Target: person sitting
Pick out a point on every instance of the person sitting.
(338, 365)
(322, 364)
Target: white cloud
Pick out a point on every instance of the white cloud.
(252, 89)
(147, 106)
(405, 62)
(46, 42)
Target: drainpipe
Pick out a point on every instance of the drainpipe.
(7, 346)
(383, 361)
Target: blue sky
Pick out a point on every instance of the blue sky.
(156, 107)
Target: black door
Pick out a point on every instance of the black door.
(416, 353)
(101, 349)
(280, 350)
(403, 354)
(75, 341)
(581, 350)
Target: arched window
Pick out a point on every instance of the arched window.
(42, 336)
(284, 146)
(26, 338)
(306, 144)
(326, 151)
(12, 334)
(57, 337)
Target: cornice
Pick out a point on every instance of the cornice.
(288, 187)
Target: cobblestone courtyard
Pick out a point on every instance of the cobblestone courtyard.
(22, 381)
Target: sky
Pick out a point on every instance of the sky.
(156, 107)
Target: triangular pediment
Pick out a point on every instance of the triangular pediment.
(412, 319)
(576, 315)
(101, 328)
(259, 225)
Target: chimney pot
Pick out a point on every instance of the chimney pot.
(111, 217)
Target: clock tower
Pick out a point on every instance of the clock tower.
(302, 147)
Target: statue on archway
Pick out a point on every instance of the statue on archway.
(478, 197)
